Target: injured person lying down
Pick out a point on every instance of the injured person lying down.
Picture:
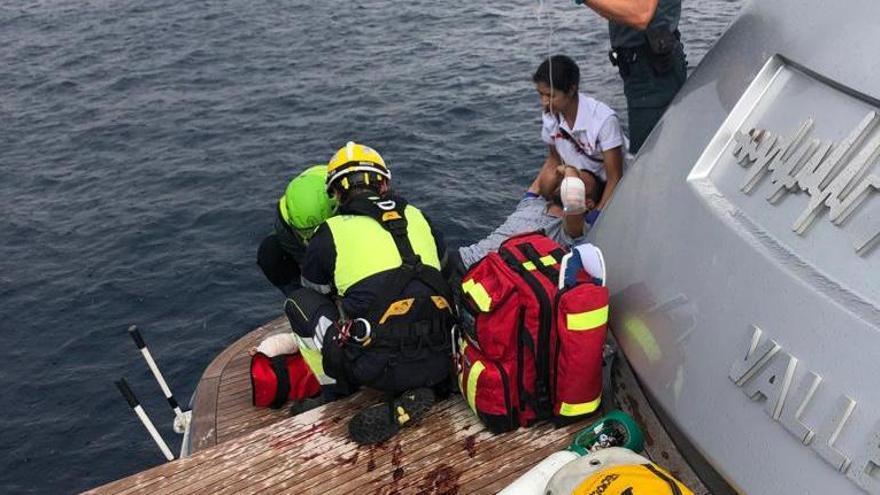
(565, 219)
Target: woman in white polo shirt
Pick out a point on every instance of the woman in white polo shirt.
(595, 164)
(581, 132)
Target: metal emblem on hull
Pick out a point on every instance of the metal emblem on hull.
(834, 175)
(799, 189)
(766, 373)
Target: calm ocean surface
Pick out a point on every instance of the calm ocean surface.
(143, 144)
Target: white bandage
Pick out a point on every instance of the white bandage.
(275, 345)
(573, 195)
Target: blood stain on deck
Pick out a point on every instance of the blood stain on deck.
(470, 444)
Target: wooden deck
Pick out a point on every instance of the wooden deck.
(222, 408)
(448, 452)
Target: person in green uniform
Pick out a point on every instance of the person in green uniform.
(646, 49)
(303, 207)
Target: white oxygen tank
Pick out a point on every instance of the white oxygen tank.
(534, 481)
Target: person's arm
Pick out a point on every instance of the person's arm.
(319, 262)
(613, 163)
(548, 177)
(636, 14)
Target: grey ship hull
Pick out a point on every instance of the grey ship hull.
(742, 252)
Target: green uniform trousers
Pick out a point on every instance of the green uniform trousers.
(648, 94)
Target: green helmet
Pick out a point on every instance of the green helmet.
(305, 204)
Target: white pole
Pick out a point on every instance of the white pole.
(139, 341)
(136, 407)
(153, 432)
(162, 384)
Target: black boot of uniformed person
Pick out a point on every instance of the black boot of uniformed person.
(380, 422)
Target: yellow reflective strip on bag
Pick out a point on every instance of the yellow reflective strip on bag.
(587, 320)
(478, 294)
(567, 409)
(528, 265)
(548, 260)
(473, 376)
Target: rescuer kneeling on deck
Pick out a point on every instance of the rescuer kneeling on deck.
(300, 211)
(381, 258)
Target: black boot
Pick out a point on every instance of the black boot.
(380, 422)
(307, 404)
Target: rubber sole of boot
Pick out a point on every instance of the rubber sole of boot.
(304, 405)
(375, 424)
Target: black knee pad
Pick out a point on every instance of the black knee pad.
(310, 312)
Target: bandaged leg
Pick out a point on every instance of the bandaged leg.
(280, 343)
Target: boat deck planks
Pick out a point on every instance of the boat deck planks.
(267, 451)
(222, 404)
(448, 452)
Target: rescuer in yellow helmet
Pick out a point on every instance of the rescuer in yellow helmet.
(381, 258)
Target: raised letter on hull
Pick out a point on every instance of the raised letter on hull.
(757, 355)
(772, 383)
(827, 434)
(797, 403)
(866, 466)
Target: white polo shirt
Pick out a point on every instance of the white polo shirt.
(596, 129)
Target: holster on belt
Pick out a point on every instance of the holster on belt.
(658, 50)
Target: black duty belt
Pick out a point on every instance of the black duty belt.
(626, 56)
(631, 54)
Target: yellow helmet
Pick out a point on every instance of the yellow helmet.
(355, 164)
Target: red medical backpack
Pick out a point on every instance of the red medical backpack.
(275, 380)
(535, 352)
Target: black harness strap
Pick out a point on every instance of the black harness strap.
(545, 318)
(389, 212)
(534, 256)
(282, 379)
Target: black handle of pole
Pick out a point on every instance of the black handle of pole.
(123, 387)
(136, 335)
